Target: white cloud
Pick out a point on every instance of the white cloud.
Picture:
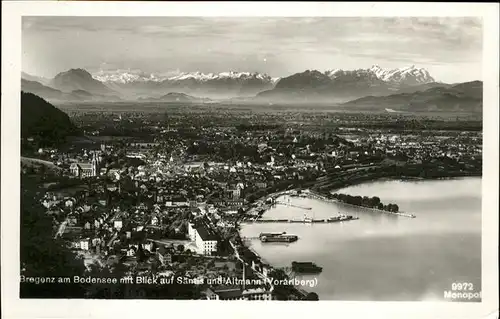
(206, 43)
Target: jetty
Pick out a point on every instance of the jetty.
(398, 213)
(292, 205)
(301, 221)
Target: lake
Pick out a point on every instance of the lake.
(381, 256)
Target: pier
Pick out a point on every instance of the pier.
(291, 205)
(302, 221)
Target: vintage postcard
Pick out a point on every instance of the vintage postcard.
(162, 153)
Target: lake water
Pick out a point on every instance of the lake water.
(381, 256)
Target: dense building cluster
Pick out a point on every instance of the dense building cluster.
(169, 202)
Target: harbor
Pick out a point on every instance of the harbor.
(350, 252)
(297, 208)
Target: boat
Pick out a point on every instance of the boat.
(306, 267)
(271, 234)
(340, 218)
(283, 238)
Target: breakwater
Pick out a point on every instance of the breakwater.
(302, 221)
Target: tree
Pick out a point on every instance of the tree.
(41, 254)
(278, 274)
(365, 201)
(312, 296)
(392, 208)
(141, 253)
(154, 246)
(180, 248)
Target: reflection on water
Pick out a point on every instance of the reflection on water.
(381, 256)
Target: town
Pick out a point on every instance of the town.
(162, 193)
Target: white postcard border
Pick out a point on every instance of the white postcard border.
(13, 307)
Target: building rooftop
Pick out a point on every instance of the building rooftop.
(206, 233)
(82, 165)
(224, 293)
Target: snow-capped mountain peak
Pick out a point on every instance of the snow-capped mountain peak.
(125, 76)
(202, 77)
(128, 76)
(402, 76)
(377, 70)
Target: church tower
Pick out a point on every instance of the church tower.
(95, 165)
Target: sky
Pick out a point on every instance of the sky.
(449, 48)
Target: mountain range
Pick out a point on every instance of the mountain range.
(343, 85)
(311, 86)
(212, 85)
(175, 97)
(463, 97)
(72, 85)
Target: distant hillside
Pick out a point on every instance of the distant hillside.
(176, 97)
(54, 95)
(44, 122)
(181, 97)
(87, 96)
(463, 97)
(30, 77)
(421, 87)
(79, 79)
(42, 90)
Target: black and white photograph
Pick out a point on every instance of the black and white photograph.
(257, 158)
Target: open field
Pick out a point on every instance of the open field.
(160, 107)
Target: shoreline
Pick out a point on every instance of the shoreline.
(322, 197)
(405, 178)
(309, 191)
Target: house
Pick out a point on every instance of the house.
(72, 220)
(118, 224)
(49, 203)
(234, 193)
(70, 202)
(154, 220)
(203, 236)
(205, 240)
(131, 251)
(164, 256)
(261, 184)
(235, 203)
(191, 231)
(180, 202)
(237, 293)
(148, 246)
(84, 244)
(96, 242)
(193, 203)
